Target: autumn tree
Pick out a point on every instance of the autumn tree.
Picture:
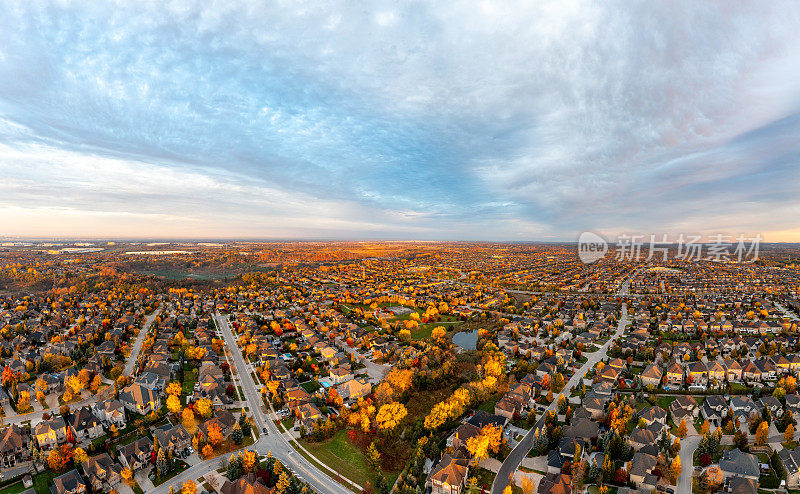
(173, 404)
(390, 415)
(249, 460)
(74, 384)
(203, 407)
(711, 479)
(675, 468)
(174, 388)
(761, 433)
(188, 419)
(96, 382)
(788, 434)
(208, 451)
(682, 429)
(527, 485)
(189, 487)
(488, 440)
(79, 456)
(214, 434)
(127, 475)
(54, 459)
(373, 457)
(24, 402)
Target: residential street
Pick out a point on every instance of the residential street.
(130, 364)
(513, 460)
(273, 441)
(688, 445)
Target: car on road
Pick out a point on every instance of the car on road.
(265, 430)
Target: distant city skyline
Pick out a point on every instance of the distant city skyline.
(420, 121)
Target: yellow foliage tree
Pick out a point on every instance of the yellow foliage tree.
(174, 388)
(74, 384)
(761, 433)
(488, 440)
(188, 419)
(189, 487)
(79, 455)
(249, 460)
(24, 402)
(214, 434)
(682, 429)
(390, 415)
(675, 467)
(174, 404)
(203, 407)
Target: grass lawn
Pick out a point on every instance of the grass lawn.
(593, 489)
(187, 385)
(422, 332)
(485, 477)
(344, 458)
(740, 388)
(665, 401)
(310, 386)
(41, 483)
(179, 467)
(488, 406)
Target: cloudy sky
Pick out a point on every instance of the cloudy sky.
(430, 120)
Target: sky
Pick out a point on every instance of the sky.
(399, 120)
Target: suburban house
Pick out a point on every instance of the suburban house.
(139, 399)
(110, 412)
(653, 414)
(102, 472)
(85, 424)
(449, 475)
(555, 483)
(642, 465)
(675, 374)
(735, 463)
(137, 454)
(175, 439)
(69, 483)
(247, 484)
(652, 375)
(50, 433)
(354, 389)
(13, 446)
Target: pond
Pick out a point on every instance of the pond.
(466, 339)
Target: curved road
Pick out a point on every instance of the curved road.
(514, 459)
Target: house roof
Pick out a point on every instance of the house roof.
(737, 462)
(450, 470)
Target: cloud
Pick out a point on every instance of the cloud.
(447, 120)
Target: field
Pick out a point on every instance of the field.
(346, 459)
